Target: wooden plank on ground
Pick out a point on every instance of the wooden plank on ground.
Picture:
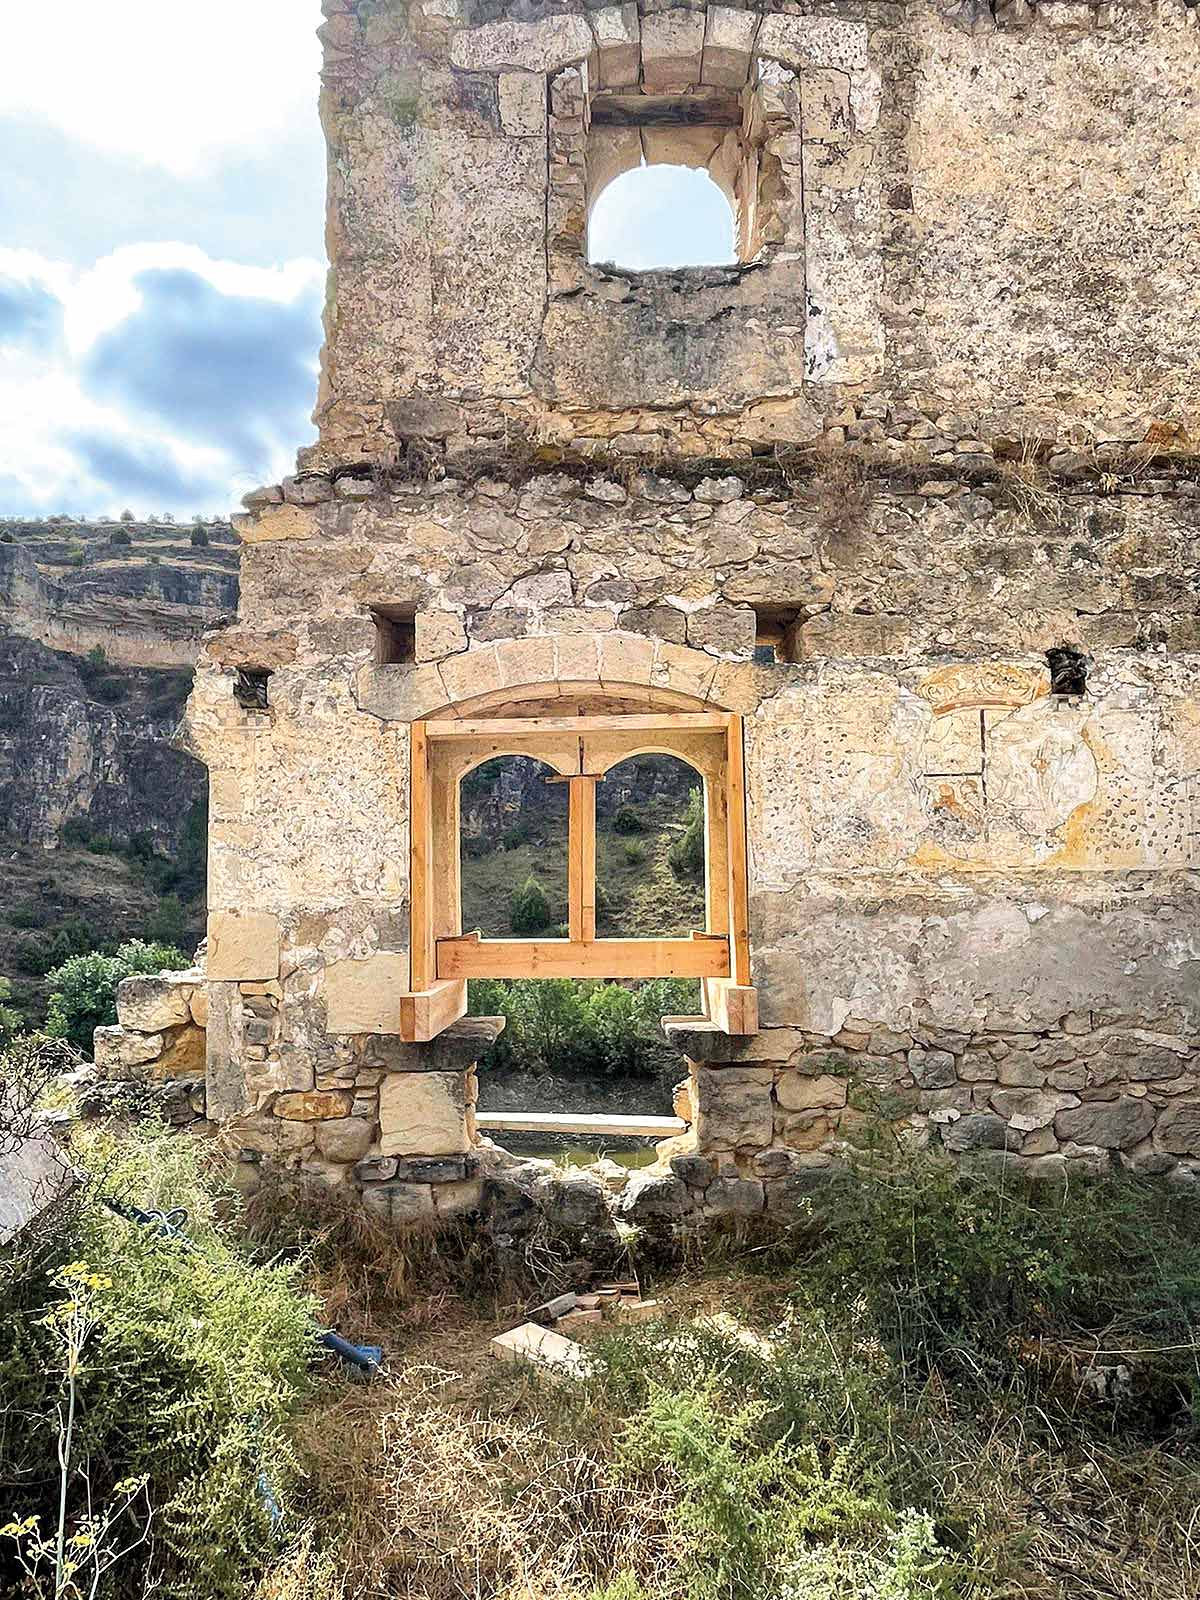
(544, 1348)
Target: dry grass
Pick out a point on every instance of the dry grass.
(377, 1283)
(436, 1499)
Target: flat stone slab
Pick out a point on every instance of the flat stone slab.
(555, 1122)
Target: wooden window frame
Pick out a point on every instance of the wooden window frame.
(580, 750)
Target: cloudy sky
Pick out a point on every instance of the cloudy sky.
(161, 257)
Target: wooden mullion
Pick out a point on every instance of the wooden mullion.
(581, 860)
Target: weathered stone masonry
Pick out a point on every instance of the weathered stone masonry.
(937, 422)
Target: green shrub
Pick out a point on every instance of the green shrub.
(167, 923)
(199, 538)
(686, 855)
(766, 1513)
(11, 1020)
(119, 537)
(84, 988)
(946, 1260)
(633, 853)
(582, 1028)
(530, 912)
(627, 820)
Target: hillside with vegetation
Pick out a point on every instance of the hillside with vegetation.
(102, 817)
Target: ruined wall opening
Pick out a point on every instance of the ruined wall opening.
(575, 1050)
(662, 216)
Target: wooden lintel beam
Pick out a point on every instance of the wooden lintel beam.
(512, 727)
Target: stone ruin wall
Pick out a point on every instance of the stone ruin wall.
(946, 423)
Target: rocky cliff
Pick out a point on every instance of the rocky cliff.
(99, 627)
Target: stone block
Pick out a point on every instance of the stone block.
(682, 670)
(280, 522)
(150, 1003)
(183, 1053)
(523, 103)
(465, 676)
(573, 1200)
(423, 1113)
(345, 1138)
(672, 49)
(544, 46)
(728, 45)
(458, 1199)
(438, 634)
(808, 1131)
(1179, 1129)
(735, 1197)
(364, 996)
(116, 1051)
(652, 1196)
(242, 944)
(618, 45)
(981, 1130)
(625, 658)
(428, 1169)
(733, 1108)
(932, 1069)
(1028, 1109)
(224, 1078)
(693, 1169)
(723, 630)
(198, 1005)
(400, 693)
(313, 1105)
(798, 1093)
(1107, 1124)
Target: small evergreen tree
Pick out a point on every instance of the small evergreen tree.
(530, 911)
(686, 855)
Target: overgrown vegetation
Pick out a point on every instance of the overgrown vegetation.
(942, 1384)
(146, 1386)
(582, 1028)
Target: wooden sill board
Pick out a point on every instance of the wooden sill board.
(472, 957)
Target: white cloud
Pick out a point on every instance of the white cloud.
(65, 437)
(178, 84)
